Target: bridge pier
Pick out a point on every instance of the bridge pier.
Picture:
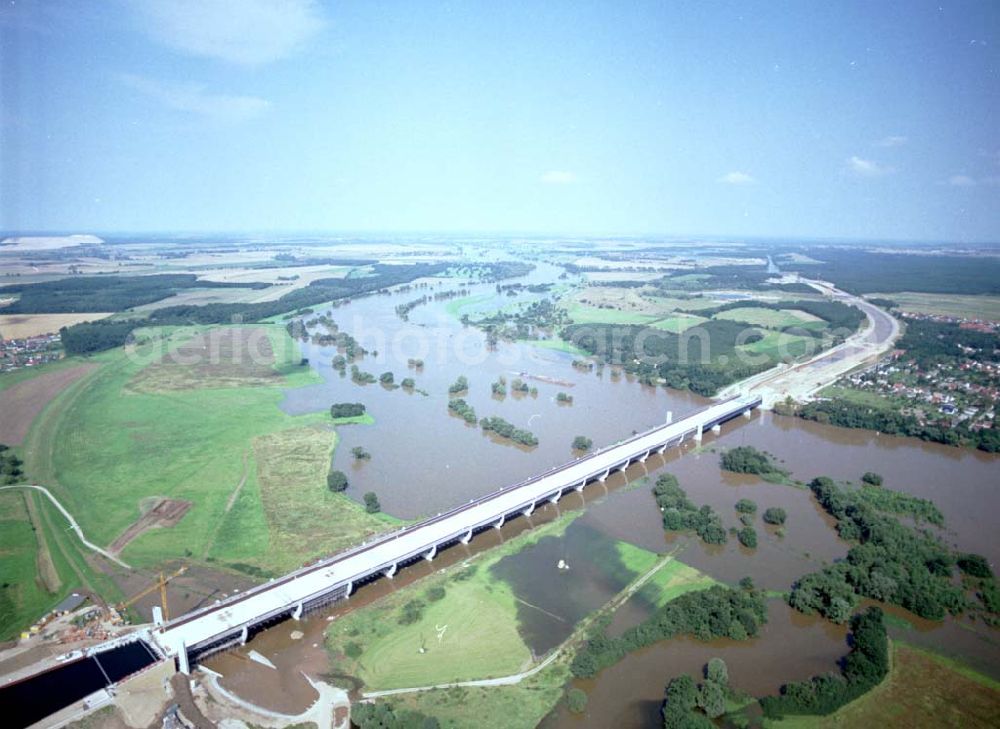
(604, 478)
(431, 554)
(579, 487)
(661, 449)
(467, 538)
(554, 498)
(391, 572)
(698, 433)
(350, 589)
(297, 612)
(670, 417)
(499, 522)
(182, 660)
(746, 414)
(244, 634)
(716, 429)
(530, 510)
(622, 467)
(642, 458)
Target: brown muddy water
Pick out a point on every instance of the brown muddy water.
(424, 460)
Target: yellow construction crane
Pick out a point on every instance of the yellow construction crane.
(160, 584)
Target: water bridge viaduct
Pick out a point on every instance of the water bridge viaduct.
(230, 621)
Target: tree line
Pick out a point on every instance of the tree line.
(716, 612)
(863, 669)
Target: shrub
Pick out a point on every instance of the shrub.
(372, 506)
(352, 650)
(748, 537)
(336, 481)
(746, 506)
(576, 700)
(436, 593)
(775, 515)
(872, 479)
(974, 565)
(582, 443)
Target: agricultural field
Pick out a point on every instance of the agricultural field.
(772, 319)
(201, 297)
(20, 326)
(956, 305)
(22, 400)
(678, 322)
(921, 690)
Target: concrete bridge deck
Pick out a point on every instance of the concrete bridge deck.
(228, 622)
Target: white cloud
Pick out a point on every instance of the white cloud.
(961, 181)
(558, 177)
(892, 141)
(866, 167)
(737, 178)
(246, 32)
(193, 98)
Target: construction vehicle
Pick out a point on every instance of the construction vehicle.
(160, 584)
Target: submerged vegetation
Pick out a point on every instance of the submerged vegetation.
(747, 459)
(890, 562)
(504, 429)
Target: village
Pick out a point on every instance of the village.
(952, 390)
(29, 351)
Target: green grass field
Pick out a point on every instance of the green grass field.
(672, 580)
(922, 690)
(471, 633)
(557, 344)
(23, 597)
(861, 397)
(466, 304)
(583, 314)
(779, 345)
(103, 448)
(520, 706)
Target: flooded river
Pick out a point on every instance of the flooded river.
(425, 460)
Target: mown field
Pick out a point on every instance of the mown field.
(921, 690)
(17, 326)
(773, 319)
(972, 307)
(469, 633)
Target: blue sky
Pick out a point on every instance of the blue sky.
(854, 120)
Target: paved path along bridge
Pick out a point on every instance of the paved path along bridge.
(229, 622)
